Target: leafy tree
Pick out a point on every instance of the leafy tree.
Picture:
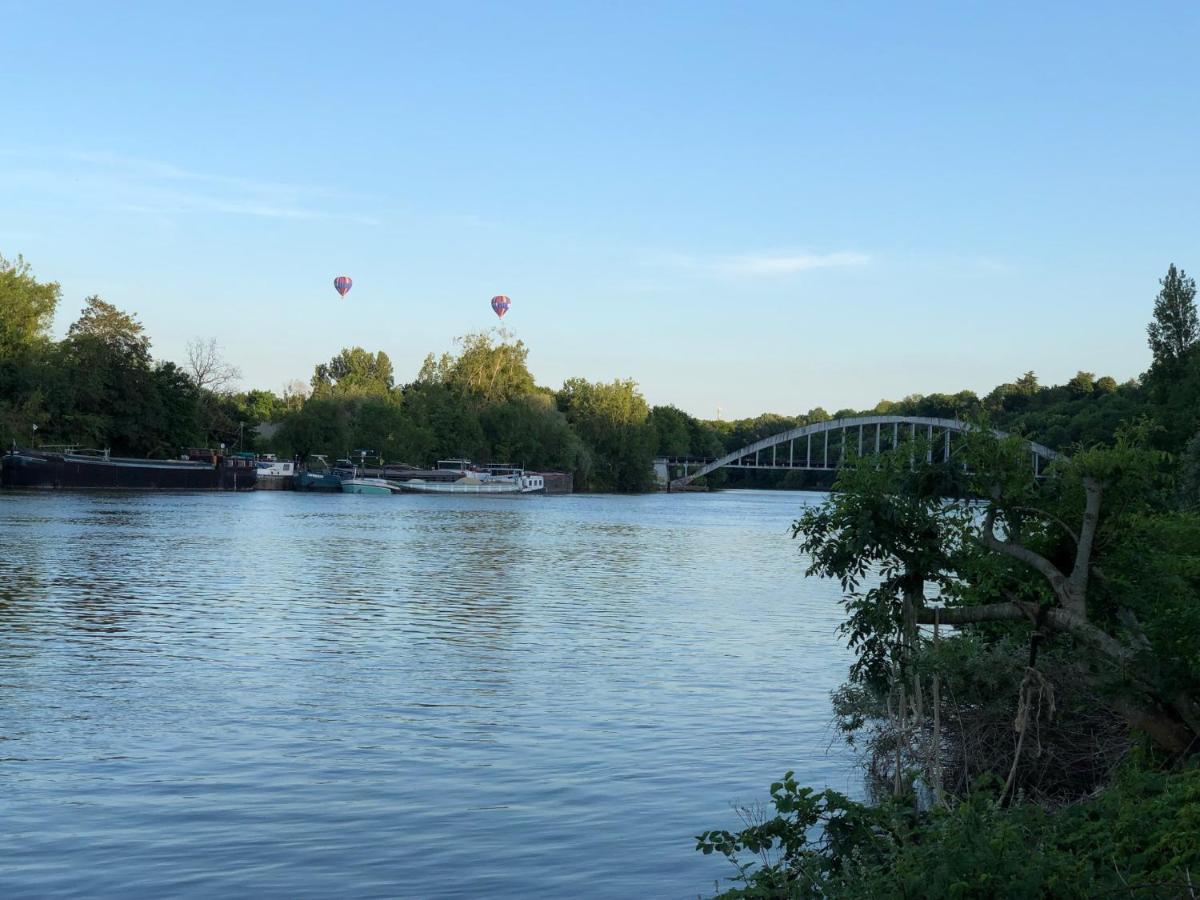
(613, 421)
(119, 331)
(26, 307)
(1027, 384)
(177, 406)
(452, 427)
(489, 368)
(108, 387)
(1083, 384)
(1176, 326)
(379, 424)
(263, 406)
(322, 425)
(673, 435)
(530, 431)
(353, 371)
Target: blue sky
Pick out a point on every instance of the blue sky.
(761, 207)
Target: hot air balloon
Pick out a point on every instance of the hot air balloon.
(500, 305)
(342, 284)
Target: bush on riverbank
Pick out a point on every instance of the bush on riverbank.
(1139, 838)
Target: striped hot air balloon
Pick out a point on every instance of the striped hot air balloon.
(342, 284)
(500, 305)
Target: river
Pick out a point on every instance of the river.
(297, 695)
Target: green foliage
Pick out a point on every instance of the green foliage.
(1140, 838)
(530, 431)
(321, 426)
(1189, 474)
(489, 368)
(887, 520)
(26, 308)
(103, 324)
(613, 421)
(1176, 327)
(801, 850)
(353, 371)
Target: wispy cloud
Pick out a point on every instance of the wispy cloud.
(769, 265)
(157, 188)
(789, 264)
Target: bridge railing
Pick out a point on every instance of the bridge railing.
(868, 433)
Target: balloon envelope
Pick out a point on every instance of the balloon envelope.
(343, 283)
(500, 305)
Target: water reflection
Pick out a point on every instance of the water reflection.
(298, 695)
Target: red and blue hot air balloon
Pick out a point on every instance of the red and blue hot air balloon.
(500, 305)
(342, 284)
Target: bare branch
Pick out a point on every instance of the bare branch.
(208, 368)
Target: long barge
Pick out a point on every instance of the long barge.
(97, 470)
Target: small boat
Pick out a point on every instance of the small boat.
(317, 481)
(367, 486)
(317, 476)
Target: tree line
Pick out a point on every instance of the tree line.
(100, 386)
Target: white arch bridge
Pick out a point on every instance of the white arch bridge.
(826, 445)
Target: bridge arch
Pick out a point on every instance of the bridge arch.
(861, 428)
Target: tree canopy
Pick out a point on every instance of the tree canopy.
(27, 307)
(1175, 327)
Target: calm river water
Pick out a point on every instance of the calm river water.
(291, 695)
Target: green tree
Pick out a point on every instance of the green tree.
(1083, 384)
(1175, 327)
(108, 391)
(530, 431)
(450, 425)
(322, 426)
(613, 421)
(26, 307)
(489, 368)
(673, 431)
(353, 371)
(121, 332)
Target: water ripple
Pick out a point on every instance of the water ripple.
(288, 695)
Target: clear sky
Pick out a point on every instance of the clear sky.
(757, 206)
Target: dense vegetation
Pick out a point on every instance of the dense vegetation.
(1026, 683)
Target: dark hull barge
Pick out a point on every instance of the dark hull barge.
(99, 471)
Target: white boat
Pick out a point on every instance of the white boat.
(488, 480)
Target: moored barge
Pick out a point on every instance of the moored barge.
(71, 469)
